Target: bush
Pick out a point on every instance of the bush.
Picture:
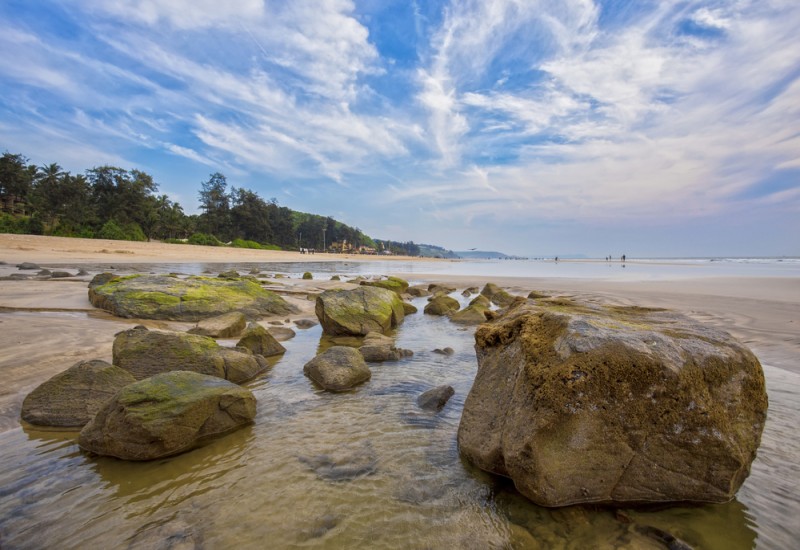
(129, 232)
(204, 239)
(14, 224)
(241, 243)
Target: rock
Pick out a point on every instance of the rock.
(344, 464)
(28, 266)
(445, 351)
(260, 342)
(231, 274)
(536, 295)
(442, 305)
(378, 348)
(395, 284)
(470, 291)
(167, 414)
(437, 288)
(418, 291)
(307, 275)
(305, 323)
(44, 273)
(409, 309)
(190, 299)
(102, 278)
(436, 398)
(82, 273)
(282, 334)
(474, 313)
(172, 535)
(613, 405)
(497, 295)
(338, 369)
(226, 325)
(72, 398)
(336, 278)
(145, 353)
(60, 274)
(359, 311)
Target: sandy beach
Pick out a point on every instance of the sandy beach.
(46, 326)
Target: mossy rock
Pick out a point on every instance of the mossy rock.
(260, 342)
(145, 353)
(395, 284)
(471, 315)
(579, 403)
(167, 414)
(191, 299)
(71, 398)
(409, 309)
(442, 305)
(226, 325)
(418, 291)
(359, 311)
(497, 295)
(307, 275)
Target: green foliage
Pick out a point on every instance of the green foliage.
(127, 232)
(241, 243)
(14, 224)
(204, 239)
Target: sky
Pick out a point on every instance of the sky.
(536, 128)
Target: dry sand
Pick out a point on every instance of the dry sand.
(46, 326)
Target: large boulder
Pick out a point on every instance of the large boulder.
(395, 284)
(613, 405)
(359, 311)
(442, 305)
(190, 299)
(226, 325)
(145, 353)
(338, 369)
(167, 414)
(259, 341)
(71, 398)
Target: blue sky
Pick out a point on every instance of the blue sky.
(531, 127)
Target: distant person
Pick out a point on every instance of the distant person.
(556, 258)
(623, 258)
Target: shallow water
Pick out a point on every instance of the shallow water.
(360, 469)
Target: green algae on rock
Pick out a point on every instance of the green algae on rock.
(395, 284)
(226, 325)
(190, 299)
(167, 414)
(259, 341)
(441, 305)
(145, 353)
(71, 398)
(359, 311)
(585, 404)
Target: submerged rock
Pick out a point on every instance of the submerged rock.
(436, 398)
(226, 325)
(190, 299)
(259, 341)
(167, 414)
(359, 311)
(584, 404)
(72, 398)
(145, 353)
(345, 464)
(338, 369)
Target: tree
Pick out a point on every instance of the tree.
(215, 203)
(15, 182)
(250, 216)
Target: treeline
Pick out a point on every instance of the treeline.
(113, 203)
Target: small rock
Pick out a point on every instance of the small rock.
(282, 334)
(445, 351)
(338, 369)
(45, 273)
(28, 266)
(409, 309)
(307, 275)
(436, 398)
(60, 274)
(305, 323)
(442, 305)
(260, 342)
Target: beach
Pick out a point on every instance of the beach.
(48, 325)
